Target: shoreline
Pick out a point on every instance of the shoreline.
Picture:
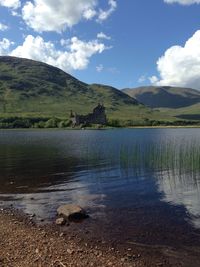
(104, 129)
(24, 243)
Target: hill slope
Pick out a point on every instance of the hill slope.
(165, 96)
(30, 88)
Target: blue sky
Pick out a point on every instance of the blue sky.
(121, 43)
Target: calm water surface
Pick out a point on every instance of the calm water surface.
(139, 185)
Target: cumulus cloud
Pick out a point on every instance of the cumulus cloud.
(65, 42)
(153, 79)
(102, 35)
(76, 57)
(89, 14)
(182, 2)
(3, 27)
(180, 65)
(14, 4)
(99, 68)
(48, 15)
(5, 45)
(104, 14)
(142, 79)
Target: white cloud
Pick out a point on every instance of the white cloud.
(99, 68)
(183, 2)
(15, 13)
(5, 45)
(48, 15)
(3, 27)
(89, 14)
(113, 70)
(76, 57)
(180, 65)
(51, 15)
(104, 14)
(102, 35)
(153, 79)
(142, 79)
(14, 4)
(65, 42)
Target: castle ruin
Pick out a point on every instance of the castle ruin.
(98, 116)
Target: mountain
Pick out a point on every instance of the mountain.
(31, 88)
(165, 96)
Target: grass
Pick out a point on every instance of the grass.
(180, 157)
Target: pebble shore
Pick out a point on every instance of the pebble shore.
(26, 244)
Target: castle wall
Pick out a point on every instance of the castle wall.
(97, 117)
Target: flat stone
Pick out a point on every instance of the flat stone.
(72, 212)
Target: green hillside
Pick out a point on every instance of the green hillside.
(165, 96)
(190, 113)
(31, 89)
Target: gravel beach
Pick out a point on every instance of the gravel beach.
(23, 243)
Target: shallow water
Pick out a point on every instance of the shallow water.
(139, 185)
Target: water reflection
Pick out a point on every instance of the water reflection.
(183, 190)
(123, 170)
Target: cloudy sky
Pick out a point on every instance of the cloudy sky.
(121, 43)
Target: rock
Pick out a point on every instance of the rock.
(61, 221)
(70, 251)
(72, 212)
(61, 234)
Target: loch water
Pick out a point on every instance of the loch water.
(138, 185)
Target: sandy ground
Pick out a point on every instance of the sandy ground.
(25, 244)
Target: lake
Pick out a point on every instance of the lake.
(138, 185)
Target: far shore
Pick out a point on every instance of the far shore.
(106, 128)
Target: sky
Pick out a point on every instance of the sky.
(122, 43)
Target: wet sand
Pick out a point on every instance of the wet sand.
(23, 243)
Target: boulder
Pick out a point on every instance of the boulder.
(72, 212)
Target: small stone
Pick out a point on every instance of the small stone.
(61, 221)
(70, 251)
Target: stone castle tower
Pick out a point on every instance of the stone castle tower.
(98, 116)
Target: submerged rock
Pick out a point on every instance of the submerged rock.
(72, 212)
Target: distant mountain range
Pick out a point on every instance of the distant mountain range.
(164, 96)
